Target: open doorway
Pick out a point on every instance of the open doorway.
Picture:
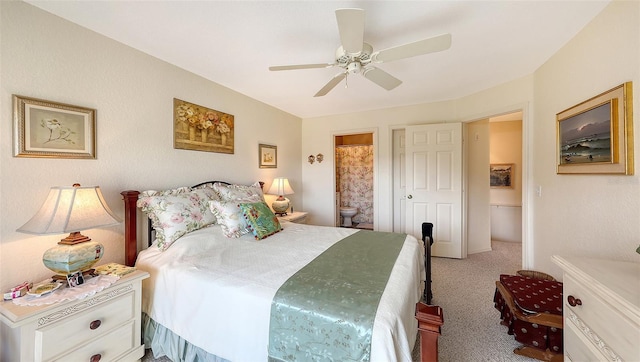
(354, 173)
(506, 187)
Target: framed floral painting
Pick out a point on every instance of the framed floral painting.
(53, 130)
(202, 129)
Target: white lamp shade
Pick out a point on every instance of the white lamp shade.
(280, 186)
(71, 209)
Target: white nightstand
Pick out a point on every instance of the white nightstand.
(105, 326)
(296, 217)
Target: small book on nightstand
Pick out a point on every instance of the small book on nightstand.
(114, 269)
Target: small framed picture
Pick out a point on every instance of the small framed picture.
(75, 279)
(54, 130)
(501, 175)
(267, 156)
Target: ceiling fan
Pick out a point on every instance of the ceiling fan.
(355, 56)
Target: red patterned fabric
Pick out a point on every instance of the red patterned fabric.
(531, 296)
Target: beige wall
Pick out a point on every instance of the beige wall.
(589, 215)
(477, 171)
(46, 57)
(506, 147)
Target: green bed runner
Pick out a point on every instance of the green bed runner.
(325, 311)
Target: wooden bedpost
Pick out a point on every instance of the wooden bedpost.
(130, 226)
(430, 318)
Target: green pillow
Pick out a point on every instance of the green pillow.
(262, 222)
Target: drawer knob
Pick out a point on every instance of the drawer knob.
(95, 324)
(573, 301)
(95, 357)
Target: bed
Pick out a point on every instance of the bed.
(213, 297)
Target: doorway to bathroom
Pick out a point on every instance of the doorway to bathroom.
(354, 161)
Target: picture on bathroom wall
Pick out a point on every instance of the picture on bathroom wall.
(501, 175)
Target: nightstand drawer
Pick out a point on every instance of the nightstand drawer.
(108, 347)
(58, 337)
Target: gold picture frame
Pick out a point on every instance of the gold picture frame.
(501, 175)
(596, 136)
(199, 128)
(267, 156)
(46, 129)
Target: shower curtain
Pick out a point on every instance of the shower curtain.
(355, 174)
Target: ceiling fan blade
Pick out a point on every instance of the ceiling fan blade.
(300, 66)
(332, 83)
(351, 28)
(381, 78)
(430, 45)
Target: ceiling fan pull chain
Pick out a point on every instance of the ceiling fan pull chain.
(346, 80)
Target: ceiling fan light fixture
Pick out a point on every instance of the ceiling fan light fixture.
(354, 67)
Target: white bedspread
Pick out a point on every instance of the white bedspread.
(216, 292)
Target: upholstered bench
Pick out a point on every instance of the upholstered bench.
(532, 310)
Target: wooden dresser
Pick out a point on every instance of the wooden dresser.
(601, 309)
(102, 327)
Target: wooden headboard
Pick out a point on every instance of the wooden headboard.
(130, 198)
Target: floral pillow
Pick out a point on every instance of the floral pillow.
(174, 213)
(236, 192)
(229, 215)
(262, 222)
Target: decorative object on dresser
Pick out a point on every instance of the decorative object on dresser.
(105, 326)
(298, 217)
(280, 187)
(267, 156)
(596, 136)
(200, 128)
(601, 309)
(71, 210)
(53, 130)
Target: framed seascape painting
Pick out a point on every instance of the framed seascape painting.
(596, 136)
(54, 130)
(501, 175)
(200, 128)
(267, 156)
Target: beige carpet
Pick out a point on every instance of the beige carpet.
(464, 289)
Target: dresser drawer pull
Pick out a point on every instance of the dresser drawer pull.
(573, 301)
(95, 325)
(95, 357)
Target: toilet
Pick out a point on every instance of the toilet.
(347, 213)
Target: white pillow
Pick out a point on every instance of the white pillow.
(174, 213)
(235, 192)
(229, 215)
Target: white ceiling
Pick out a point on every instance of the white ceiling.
(234, 42)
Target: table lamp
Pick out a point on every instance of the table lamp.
(280, 187)
(71, 210)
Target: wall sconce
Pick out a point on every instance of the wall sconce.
(311, 159)
(319, 157)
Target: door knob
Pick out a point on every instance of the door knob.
(410, 197)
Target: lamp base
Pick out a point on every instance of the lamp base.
(280, 206)
(65, 259)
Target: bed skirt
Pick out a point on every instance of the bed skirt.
(163, 342)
